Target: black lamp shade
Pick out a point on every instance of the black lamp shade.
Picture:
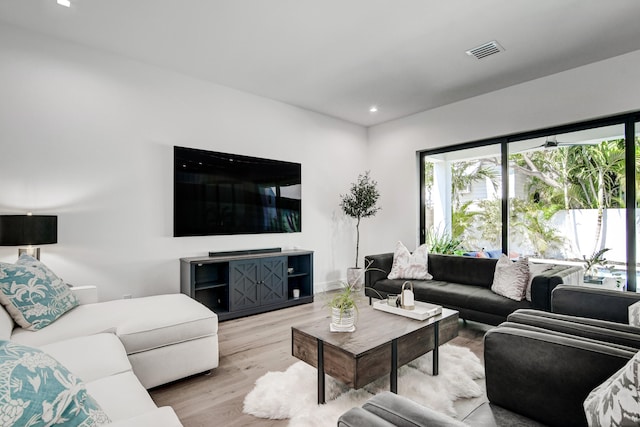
(16, 230)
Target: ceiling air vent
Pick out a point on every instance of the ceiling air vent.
(485, 50)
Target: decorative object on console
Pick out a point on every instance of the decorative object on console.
(20, 230)
(511, 278)
(32, 294)
(360, 202)
(37, 390)
(410, 266)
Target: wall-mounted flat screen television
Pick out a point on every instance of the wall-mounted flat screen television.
(219, 193)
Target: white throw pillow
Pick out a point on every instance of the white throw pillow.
(410, 266)
(616, 402)
(535, 269)
(510, 278)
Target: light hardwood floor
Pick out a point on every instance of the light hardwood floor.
(249, 348)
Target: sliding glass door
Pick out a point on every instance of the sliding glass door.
(567, 199)
(568, 193)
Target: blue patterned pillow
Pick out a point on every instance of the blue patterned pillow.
(36, 390)
(32, 294)
(30, 261)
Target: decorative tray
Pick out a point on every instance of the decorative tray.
(422, 311)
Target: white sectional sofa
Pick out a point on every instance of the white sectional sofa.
(121, 348)
(101, 362)
(67, 359)
(166, 337)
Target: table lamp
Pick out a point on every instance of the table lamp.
(31, 230)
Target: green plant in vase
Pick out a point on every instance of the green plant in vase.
(344, 304)
(344, 308)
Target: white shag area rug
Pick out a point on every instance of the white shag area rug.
(292, 394)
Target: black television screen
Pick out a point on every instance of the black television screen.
(219, 193)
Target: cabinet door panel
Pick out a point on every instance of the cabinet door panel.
(244, 290)
(274, 280)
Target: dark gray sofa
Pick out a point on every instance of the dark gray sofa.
(463, 284)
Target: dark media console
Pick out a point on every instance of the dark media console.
(241, 283)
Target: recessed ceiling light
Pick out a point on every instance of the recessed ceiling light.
(65, 3)
(373, 109)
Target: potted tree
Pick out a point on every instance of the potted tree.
(359, 202)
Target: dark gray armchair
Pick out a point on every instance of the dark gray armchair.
(583, 301)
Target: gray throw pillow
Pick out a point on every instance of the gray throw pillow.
(510, 278)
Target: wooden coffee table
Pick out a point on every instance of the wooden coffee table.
(381, 343)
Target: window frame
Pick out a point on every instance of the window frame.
(628, 120)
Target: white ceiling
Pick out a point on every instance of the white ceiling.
(339, 57)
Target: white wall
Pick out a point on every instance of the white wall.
(89, 136)
(601, 89)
